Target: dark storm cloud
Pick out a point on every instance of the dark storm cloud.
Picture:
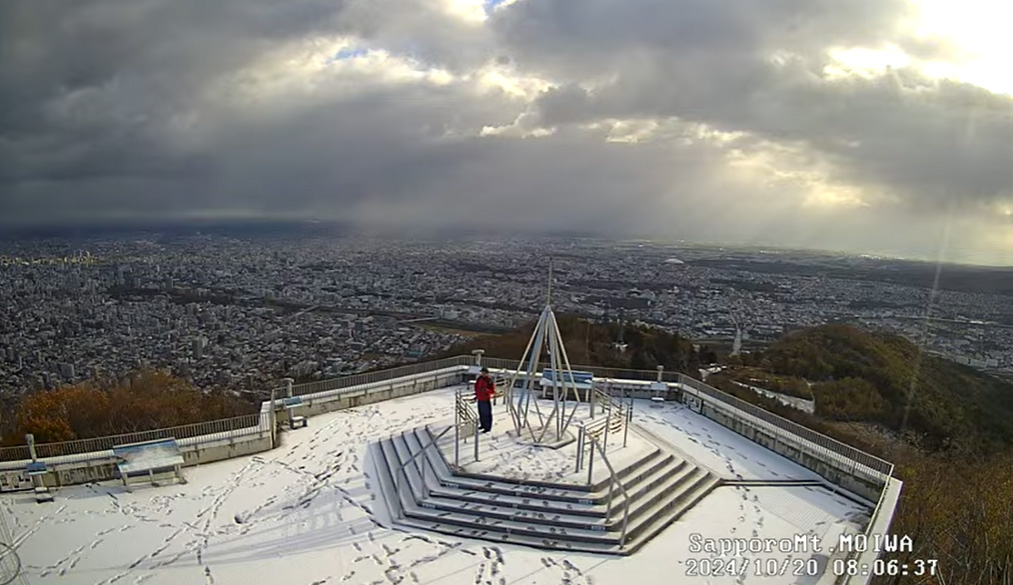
(155, 107)
(739, 65)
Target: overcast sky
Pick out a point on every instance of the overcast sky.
(880, 126)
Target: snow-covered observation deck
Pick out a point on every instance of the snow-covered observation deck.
(312, 509)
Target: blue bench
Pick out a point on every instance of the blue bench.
(148, 458)
(42, 493)
(553, 376)
(295, 421)
(566, 380)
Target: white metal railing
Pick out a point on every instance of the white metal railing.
(69, 451)
(466, 419)
(377, 376)
(613, 482)
(824, 447)
(413, 457)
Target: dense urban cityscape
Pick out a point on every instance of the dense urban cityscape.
(242, 313)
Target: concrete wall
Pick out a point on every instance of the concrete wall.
(332, 400)
(101, 465)
(839, 473)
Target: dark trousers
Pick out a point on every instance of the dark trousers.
(484, 415)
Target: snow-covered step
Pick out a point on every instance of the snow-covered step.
(662, 478)
(563, 493)
(679, 488)
(571, 493)
(482, 527)
(651, 482)
(549, 516)
(520, 539)
(666, 512)
(443, 485)
(430, 498)
(667, 480)
(425, 434)
(473, 522)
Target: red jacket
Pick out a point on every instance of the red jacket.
(485, 388)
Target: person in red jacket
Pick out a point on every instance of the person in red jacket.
(485, 390)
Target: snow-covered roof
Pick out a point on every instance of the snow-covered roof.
(307, 512)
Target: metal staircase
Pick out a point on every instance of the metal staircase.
(615, 515)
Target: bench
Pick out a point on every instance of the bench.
(36, 469)
(295, 421)
(558, 379)
(659, 391)
(147, 459)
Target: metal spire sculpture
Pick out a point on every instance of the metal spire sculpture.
(545, 336)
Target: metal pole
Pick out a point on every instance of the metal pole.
(590, 462)
(272, 419)
(629, 419)
(566, 361)
(559, 378)
(288, 394)
(580, 447)
(608, 423)
(476, 440)
(457, 428)
(528, 372)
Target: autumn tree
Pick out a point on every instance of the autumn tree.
(152, 399)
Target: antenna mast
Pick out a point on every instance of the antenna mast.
(548, 295)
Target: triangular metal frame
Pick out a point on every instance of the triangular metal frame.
(546, 335)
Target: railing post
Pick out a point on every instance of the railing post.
(476, 440)
(580, 448)
(478, 356)
(608, 423)
(629, 419)
(590, 462)
(271, 417)
(288, 394)
(608, 507)
(457, 427)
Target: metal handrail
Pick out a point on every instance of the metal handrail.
(615, 481)
(822, 442)
(401, 468)
(83, 446)
(463, 410)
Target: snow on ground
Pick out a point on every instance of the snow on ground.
(305, 513)
(717, 448)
